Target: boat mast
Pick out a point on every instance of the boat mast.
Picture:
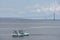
(54, 10)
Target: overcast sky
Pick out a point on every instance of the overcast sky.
(32, 9)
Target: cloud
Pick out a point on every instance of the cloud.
(36, 6)
(21, 12)
(58, 8)
(8, 9)
(36, 10)
(54, 7)
(39, 8)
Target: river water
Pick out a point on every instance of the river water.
(37, 30)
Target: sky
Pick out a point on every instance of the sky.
(30, 9)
